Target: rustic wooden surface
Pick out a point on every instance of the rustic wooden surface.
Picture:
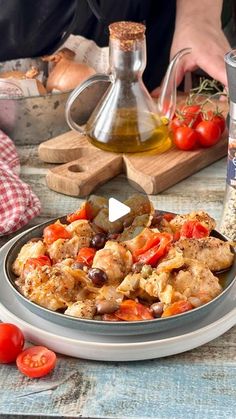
(198, 384)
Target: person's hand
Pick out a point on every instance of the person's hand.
(207, 40)
(209, 45)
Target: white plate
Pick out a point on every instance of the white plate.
(74, 343)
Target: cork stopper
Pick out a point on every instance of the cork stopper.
(127, 33)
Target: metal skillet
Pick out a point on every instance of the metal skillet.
(119, 328)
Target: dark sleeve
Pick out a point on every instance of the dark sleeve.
(32, 28)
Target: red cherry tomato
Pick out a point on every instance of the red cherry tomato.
(192, 114)
(36, 361)
(177, 308)
(209, 133)
(218, 118)
(83, 213)
(193, 229)
(177, 123)
(33, 263)
(11, 342)
(185, 138)
(54, 232)
(130, 310)
(86, 255)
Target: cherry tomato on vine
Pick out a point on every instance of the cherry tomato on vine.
(209, 133)
(177, 123)
(185, 138)
(36, 361)
(217, 118)
(192, 115)
(11, 342)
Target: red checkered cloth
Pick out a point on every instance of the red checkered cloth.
(18, 204)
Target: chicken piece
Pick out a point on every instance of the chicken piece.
(115, 260)
(29, 250)
(83, 230)
(216, 254)
(155, 285)
(101, 220)
(196, 280)
(83, 309)
(173, 260)
(200, 216)
(63, 249)
(97, 203)
(50, 286)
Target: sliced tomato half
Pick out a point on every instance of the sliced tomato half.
(36, 361)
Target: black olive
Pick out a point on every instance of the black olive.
(98, 241)
(97, 276)
(157, 309)
(137, 267)
(156, 218)
(106, 306)
(78, 265)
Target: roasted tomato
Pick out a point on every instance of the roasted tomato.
(33, 263)
(36, 361)
(177, 308)
(86, 255)
(130, 310)
(193, 229)
(85, 212)
(54, 232)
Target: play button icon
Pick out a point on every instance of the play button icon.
(116, 210)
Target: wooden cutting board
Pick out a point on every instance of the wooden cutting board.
(86, 167)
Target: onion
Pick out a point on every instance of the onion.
(32, 73)
(66, 73)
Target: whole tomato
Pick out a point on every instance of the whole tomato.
(185, 138)
(192, 114)
(218, 118)
(11, 342)
(209, 133)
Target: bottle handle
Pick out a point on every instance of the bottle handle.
(167, 100)
(97, 78)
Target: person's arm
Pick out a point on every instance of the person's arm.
(198, 25)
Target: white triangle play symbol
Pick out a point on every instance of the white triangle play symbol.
(116, 209)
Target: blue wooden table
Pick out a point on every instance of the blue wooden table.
(197, 384)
